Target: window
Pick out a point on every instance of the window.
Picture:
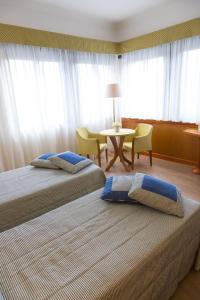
(38, 90)
(190, 86)
(144, 88)
(163, 82)
(92, 81)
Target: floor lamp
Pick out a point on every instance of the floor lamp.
(113, 91)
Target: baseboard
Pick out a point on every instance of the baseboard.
(167, 157)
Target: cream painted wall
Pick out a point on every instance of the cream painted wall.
(169, 13)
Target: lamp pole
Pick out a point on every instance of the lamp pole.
(114, 118)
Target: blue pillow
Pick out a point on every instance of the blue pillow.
(116, 189)
(43, 161)
(157, 193)
(70, 161)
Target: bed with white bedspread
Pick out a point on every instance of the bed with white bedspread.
(28, 192)
(91, 249)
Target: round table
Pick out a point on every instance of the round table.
(118, 148)
(196, 134)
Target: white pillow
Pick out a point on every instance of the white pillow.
(43, 162)
(157, 194)
(70, 162)
(116, 189)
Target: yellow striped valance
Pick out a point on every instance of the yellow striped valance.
(163, 36)
(35, 37)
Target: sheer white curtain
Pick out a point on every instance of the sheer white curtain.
(92, 74)
(184, 96)
(162, 82)
(44, 95)
(144, 75)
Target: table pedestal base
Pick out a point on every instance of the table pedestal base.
(118, 152)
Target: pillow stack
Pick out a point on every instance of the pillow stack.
(146, 190)
(43, 161)
(68, 161)
(116, 189)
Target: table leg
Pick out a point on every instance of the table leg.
(197, 169)
(121, 155)
(116, 152)
(125, 158)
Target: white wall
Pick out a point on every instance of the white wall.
(165, 15)
(52, 18)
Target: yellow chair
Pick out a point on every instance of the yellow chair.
(91, 143)
(141, 141)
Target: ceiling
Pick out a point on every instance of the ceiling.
(107, 10)
(113, 20)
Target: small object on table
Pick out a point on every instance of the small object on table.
(118, 148)
(195, 133)
(116, 126)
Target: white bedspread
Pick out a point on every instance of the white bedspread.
(90, 249)
(28, 192)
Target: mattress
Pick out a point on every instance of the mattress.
(91, 249)
(28, 192)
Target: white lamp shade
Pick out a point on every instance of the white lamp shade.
(113, 90)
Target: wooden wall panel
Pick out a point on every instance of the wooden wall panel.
(169, 140)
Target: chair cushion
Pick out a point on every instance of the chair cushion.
(127, 146)
(156, 193)
(116, 189)
(70, 162)
(42, 161)
(103, 146)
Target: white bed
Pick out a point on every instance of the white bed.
(28, 192)
(90, 249)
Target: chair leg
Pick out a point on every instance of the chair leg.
(138, 155)
(99, 153)
(150, 157)
(88, 156)
(99, 159)
(106, 150)
(132, 159)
